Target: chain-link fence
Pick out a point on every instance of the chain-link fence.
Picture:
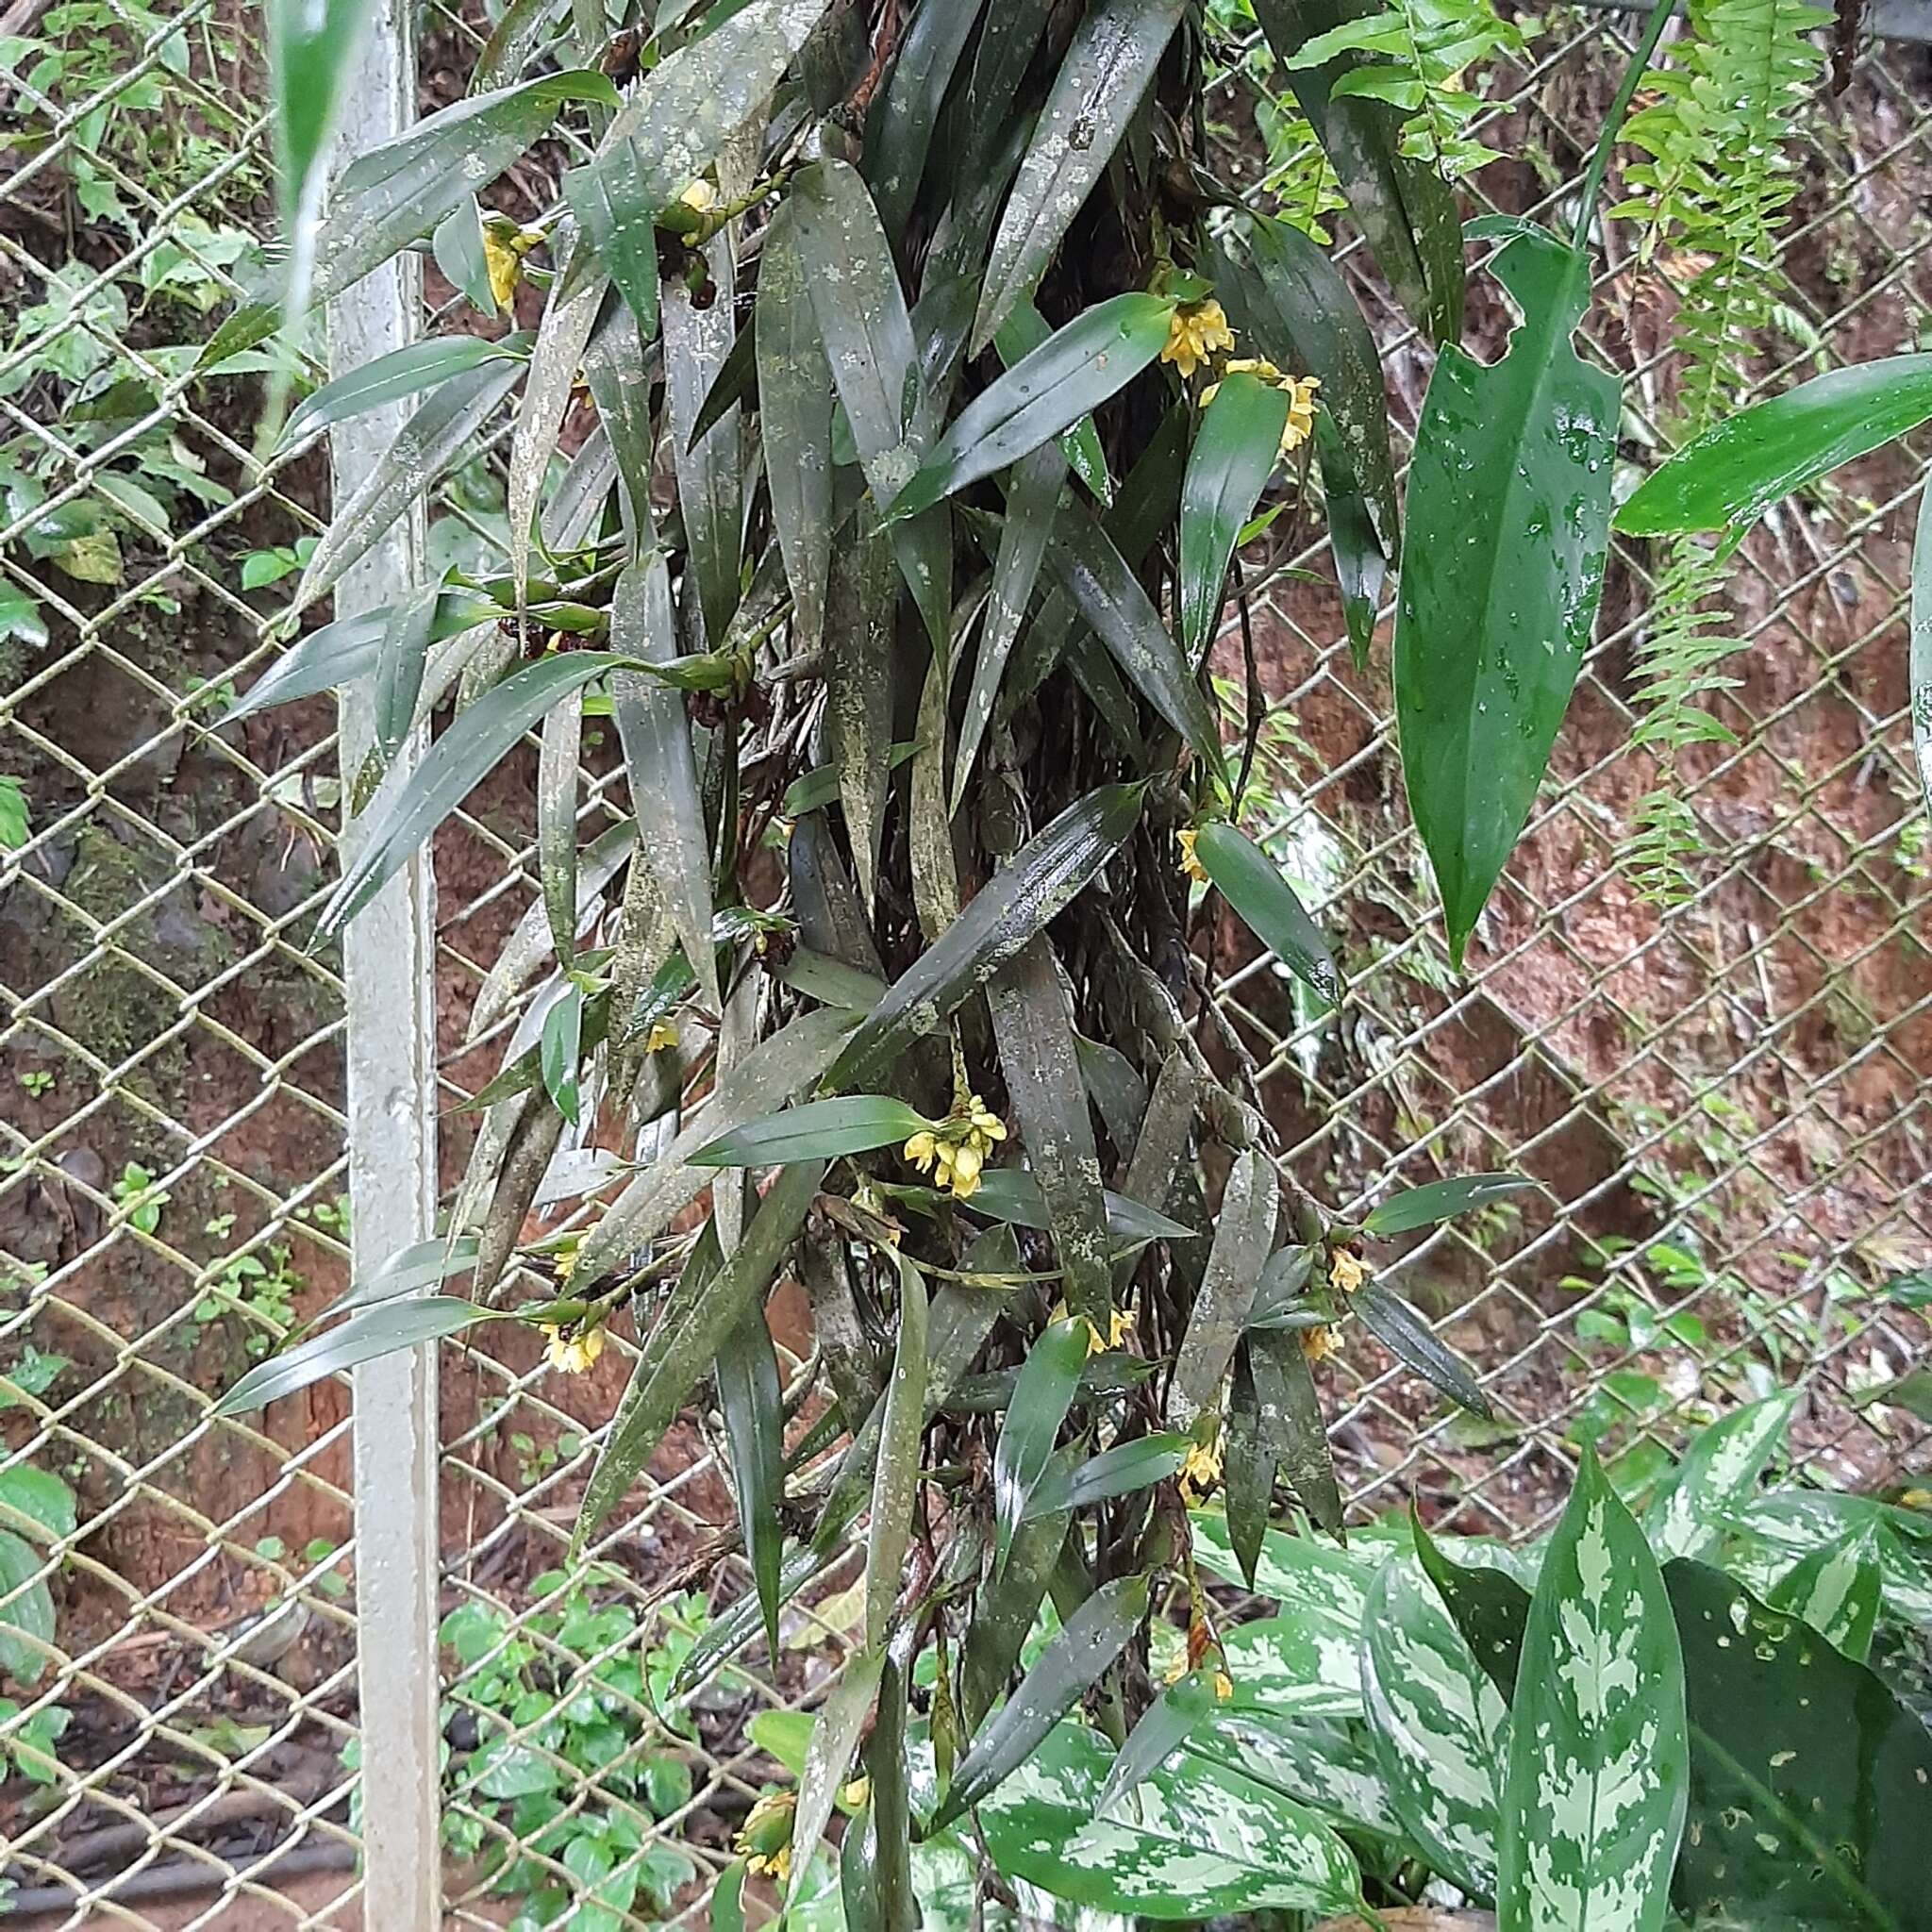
(1723, 1103)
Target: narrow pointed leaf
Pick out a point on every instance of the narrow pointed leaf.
(1489, 1606)
(399, 669)
(1120, 1470)
(404, 371)
(1251, 883)
(1918, 658)
(1115, 49)
(1040, 1400)
(750, 1398)
(861, 612)
(556, 820)
(1076, 1659)
(1500, 588)
(1406, 1333)
(370, 1332)
(1438, 1724)
(1037, 883)
(909, 113)
(661, 763)
(1719, 1475)
(834, 1738)
(1234, 455)
(1437, 1201)
(1730, 475)
(1154, 1744)
(441, 429)
(423, 1265)
(1598, 1768)
(1243, 1236)
(1020, 334)
(795, 419)
(896, 1482)
(560, 1051)
(404, 811)
(1012, 1194)
(1292, 1421)
(1109, 596)
(1035, 1033)
(710, 470)
(820, 1129)
(607, 197)
(1076, 369)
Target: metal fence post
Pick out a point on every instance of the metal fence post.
(389, 967)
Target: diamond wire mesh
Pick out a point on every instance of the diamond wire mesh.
(1723, 1103)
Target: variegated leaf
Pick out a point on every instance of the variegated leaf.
(1718, 1476)
(1836, 1589)
(1598, 1775)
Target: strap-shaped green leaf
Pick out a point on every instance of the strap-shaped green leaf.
(895, 1483)
(1115, 49)
(556, 820)
(1919, 652)
(1251, 883)
(1599, 1763)
(1726, 478)
(1234, 455)
(367, 1333)
(1406, 1333)
(1499, 588)
(1076, 369)
(861, 612)
(1022, 332)
(1122, 1470)
(751, 1400)
(820, 1129)
(404, 371)
(710, 470)
(399, 668)
(834, 1738)
(1041, 1397)
(1039, 882)
(609, 197)
(903, 128)
(1437, 1201)
(1243, 1236)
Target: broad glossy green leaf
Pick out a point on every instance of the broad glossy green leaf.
(1490, 1606)
(795, 421)
(457, 249)
(312, 54)
(1234, 455)
(1195, 1841)
(1020, 334)
(1439, 1727)
(411, 806)
(370, 1332)
(1837, 1590)
(775, 1071)
(1076, 369)
(1500, 584)
(1079, 1654)
(1108, 68)
(1109, 596)
(834, 1738)
(1182, 1709)
(908, 114)
(1253, 885)
(711, 471)
(1040, 1400)
(820, 1129)
(404, 371)
(441, 430)
(608, 195)
(751, 1401)
(660, 764)
(1437, 1201)
(1243, 1235)
(1035, 1033)
(1406, 1333)
(1726, 478)
(1599, 1760)
(1807, 1776)
(559, 1050)
(396, 193)
(1037, 883)
(1117, 1471)
(1919, 672)
(895, 1483)
(1403, 207)
(1718, 1475)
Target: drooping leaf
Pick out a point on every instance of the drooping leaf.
(1076, 369)
(1807, 1776)
(1079, 1654)
(1020, 334)
(1108, 68)
(399, 666)
(556, 820)
(1154, 1744)
(908, 115)
(1405, 207)
(370, 1332)
(407, 808)
(1437, 1201)
(1234, 455)
(1197, 1840)
(1109, 598)
(1266, 901)
(1500, 586)
(709, 469)
(896, 1482)
(1120, 1470)
(458, 250)
(1593, 1798)
(1040, 1400)
(861, 610)
(795, 420)
(421, 1264)
(560, 1050)
(1406, 1333)
(1011, 1194)
(1718, 1475)
(608, 198)
(659, 763)
(404, 371)
(1035, 1034)
(1726, 478)
(834, 1738)
(750, 1399)
(1293, 1425)
(1919, 674)
(1243, 1237)
(438, 432)
(1021, 898)
(820, 1129)
(1438, 1724)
